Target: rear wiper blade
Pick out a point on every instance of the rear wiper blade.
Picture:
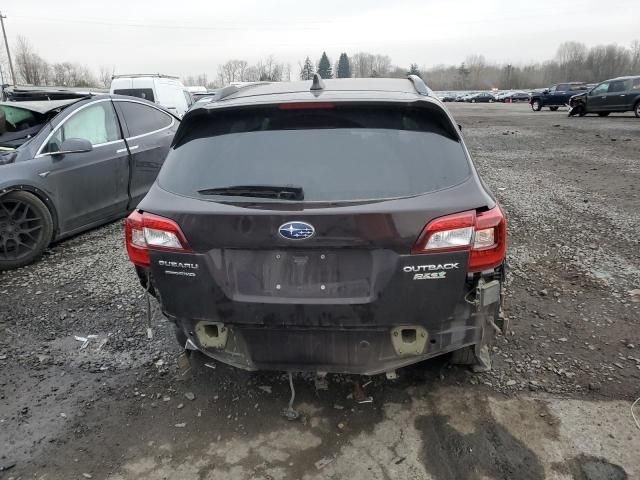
(280, 192)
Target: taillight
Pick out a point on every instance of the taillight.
(145, 231)
(490, 243)
(483, 234)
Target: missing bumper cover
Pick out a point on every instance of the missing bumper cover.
(212, 334)
(409, 340)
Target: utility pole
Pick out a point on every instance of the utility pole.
(6, 44)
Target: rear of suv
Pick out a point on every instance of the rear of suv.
(332, 226)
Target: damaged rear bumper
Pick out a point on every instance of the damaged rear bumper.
(353, 350)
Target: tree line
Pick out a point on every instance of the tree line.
(573, 61)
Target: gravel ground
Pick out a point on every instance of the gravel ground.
(556, 404)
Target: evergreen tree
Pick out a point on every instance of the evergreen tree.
(344, 67)
(307, 70)
(324, 66)
(414, 70)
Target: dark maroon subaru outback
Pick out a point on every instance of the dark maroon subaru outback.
(328, 226)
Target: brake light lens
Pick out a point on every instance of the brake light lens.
(145, 231)
(306, 105)
(484, 234)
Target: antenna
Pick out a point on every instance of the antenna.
(318, 83)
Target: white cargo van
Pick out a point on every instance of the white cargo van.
(165, 90)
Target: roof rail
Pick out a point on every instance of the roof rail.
(419, 85)
(139, 75)
(317, 83)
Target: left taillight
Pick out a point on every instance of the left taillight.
(145, 231)
(484, 234)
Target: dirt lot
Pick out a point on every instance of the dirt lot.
(556, 405)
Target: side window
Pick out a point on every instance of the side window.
(96, 123)
(563, 87)
(600, 89)
(143, 119)
(144, 93)
(635, 86)
(553, 89)
(615, 87)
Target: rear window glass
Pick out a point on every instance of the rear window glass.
(334, 154)
(142, 119)
(145, 93)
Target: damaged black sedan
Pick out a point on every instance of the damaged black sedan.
(327, 226)
(70, 165)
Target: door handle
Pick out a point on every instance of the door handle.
(134, 147)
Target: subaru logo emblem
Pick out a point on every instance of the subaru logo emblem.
(296, 230)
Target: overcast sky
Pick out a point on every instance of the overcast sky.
(188, 37)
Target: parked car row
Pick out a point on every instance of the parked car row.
(507, 96)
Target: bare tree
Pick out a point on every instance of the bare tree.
(105, 76)
(232, 71)
(31, 68)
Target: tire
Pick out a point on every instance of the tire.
(473, 101)
(536, 106)
(603, 114)
(26, 229)
(553, 109)
(464, 356)
(490, 101)
(636, 109)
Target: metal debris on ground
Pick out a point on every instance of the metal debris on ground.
(85, 340)
(321, 382)
(9, 466)
(359, 395)
(323, 462)
(289, 413)
(265, 388)
(190, 396)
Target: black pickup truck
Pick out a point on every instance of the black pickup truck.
(556, 96)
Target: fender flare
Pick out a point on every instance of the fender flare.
(42, 196)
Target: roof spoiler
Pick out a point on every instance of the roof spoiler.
(231, 89)
(419, 85)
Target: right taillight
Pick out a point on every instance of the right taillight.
(145, 231)
(490, 241)
(484, 234)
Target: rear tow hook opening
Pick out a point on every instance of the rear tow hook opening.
(212, 334)
(409, 339)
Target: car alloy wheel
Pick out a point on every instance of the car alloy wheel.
(637, 110)
(26, 228)
(22, 229)
(535, 106)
